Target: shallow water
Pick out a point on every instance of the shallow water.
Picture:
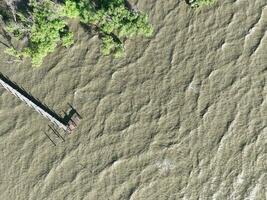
(182, 116)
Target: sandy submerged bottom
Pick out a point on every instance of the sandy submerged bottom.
(181, 116)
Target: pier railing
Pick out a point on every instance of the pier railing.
(32, 102)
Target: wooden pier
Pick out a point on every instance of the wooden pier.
(67, 124)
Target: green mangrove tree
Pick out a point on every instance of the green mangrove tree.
(44, 25)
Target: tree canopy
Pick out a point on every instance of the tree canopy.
(44, 26)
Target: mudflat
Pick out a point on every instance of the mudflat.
(181, 116)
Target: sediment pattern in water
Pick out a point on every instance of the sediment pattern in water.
(182, 116)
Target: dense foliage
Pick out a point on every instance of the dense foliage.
(197, 3)
(42, 28)
(113, 19)
(44, 25)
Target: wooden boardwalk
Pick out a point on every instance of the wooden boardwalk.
(34, 103)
